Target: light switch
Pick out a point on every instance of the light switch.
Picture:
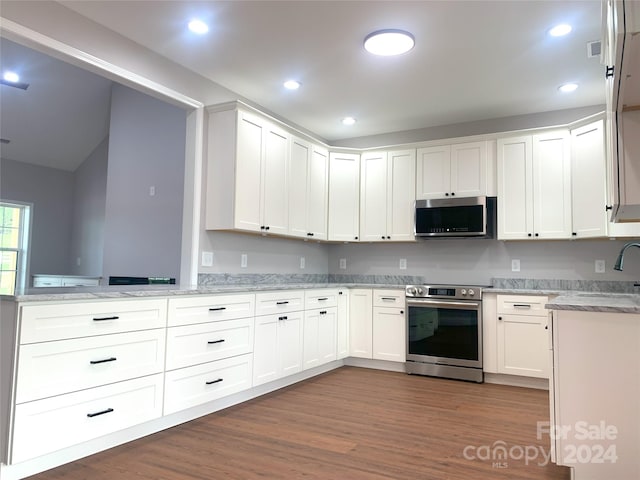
(243, 260)
(343, 264)
(515, 265)
(403, 264)
(302, 262)
(600, 266)
(207, 259)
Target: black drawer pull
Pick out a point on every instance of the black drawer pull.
(104, 360)
(521, 305)
(217, 309)
(91, 415)
(388, 298)
(282, 318)
(282, 303)
(323, 299)
(214, 381)
(211, 342)
(323, 312)
(101, 319)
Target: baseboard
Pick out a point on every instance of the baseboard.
(375, 364)
(517, 381)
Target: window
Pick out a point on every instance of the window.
(14, 224)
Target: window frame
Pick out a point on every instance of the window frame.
(24, 243)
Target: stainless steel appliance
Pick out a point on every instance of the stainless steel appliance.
(456, 217)
(444, 331)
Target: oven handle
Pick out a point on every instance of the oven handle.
(444, 304)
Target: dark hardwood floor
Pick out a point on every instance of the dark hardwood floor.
(351, 424)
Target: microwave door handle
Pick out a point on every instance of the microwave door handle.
(446, 304)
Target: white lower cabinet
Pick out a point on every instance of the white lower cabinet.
(342, 327)
(522, 336)
(360, 322)
(389, 337)
(51, 424)
(191, 386)
(320, 330)
(277, 349)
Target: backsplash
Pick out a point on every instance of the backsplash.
(608, 286)
(216, 279)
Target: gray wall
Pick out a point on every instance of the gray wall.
(477, 261)
(90, 188)
(50, 191)
(146, 149)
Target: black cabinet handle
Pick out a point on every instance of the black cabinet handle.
(339, 293)
(402, 312)
(217, 309)
(102, 412)
(105, 360)
(499, 318)
(266, 228)
(453, 194)
(218, 380)
(262, 227)
(323, 299)
(102, 319)
(546, 327)
(211, 342)
(609, 71)
(446, 194)
(310, 234)
(388, 298)
(356, 238)
(282, 303)
(521, 305)
(575, 234)
(608, 207)
(323, 312)
(536, 234)
(383, 237)
(282, 318)
(528, 234)
(388, 237)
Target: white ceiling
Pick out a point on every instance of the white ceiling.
(473, 60)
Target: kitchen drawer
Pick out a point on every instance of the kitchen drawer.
(522, 305)
(206, 342)
(388, 298)
(323, 298)
(187, 387)
(52, 424)
(207, 308)
(54, 368)
(279, 302)
(44, 281)
(43, 323)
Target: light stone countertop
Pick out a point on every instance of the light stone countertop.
(597, 302)
(141, 291)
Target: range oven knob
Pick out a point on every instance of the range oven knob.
(420, 291)
(463, 291)
(471, 292)
(411, 290)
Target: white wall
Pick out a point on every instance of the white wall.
(89, 203)
(146, 150)
(477, 261)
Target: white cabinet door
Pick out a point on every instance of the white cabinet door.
(389, 334)
(515, 188)
(248, 172)
(318, 193)
(344, 196)
(300, 151)
(469, 169)
(290, 343)
(373, 196)
(275, 196)
(265, 350)
(401, 196)
(433, 172)
(588, 181)
(342, 326)
(552, 185)
(523, 345)
(360, 322)
(319, 333)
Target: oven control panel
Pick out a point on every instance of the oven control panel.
(445, 291)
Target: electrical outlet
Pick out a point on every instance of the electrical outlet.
(403, 264)
(302, 262)
(243, 260)
(207, 259)
(78, 261)
(343, 264)
(600, 266)
(515, 265)
(152, 191)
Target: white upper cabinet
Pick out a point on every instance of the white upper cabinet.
(534, 186)
(588, 181)
(452, 170)
(387, 196)
(308, 190)
(344, 196)
(247, 171)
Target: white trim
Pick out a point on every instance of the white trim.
(194, 131)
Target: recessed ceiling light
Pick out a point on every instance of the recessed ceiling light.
(12, 77)
(389, 42)
(198, 26)
(348, 121)
(560, 30)
(291, 84)
(568, 87)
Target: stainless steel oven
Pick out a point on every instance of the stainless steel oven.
(444, 331)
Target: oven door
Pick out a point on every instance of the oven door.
(444, 332)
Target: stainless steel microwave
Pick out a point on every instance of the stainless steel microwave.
(456, 217)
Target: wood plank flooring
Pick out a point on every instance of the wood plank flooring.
(348, 424)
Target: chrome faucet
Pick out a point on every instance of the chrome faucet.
(618, 265)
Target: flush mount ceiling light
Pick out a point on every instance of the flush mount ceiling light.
(560, 30)
(389, 42)
(12, 79)
(568, 87)
(291, 85)
(198, 26)
(348, 121)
